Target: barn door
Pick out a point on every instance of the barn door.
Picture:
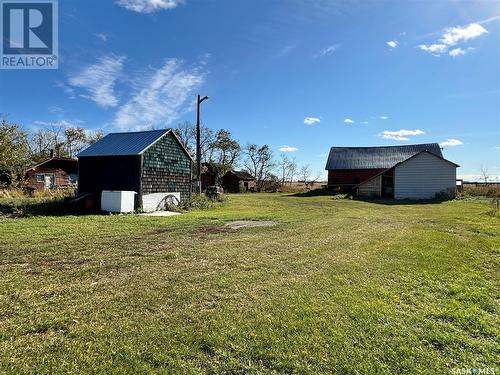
(387, 186)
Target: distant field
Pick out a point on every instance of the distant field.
(337, 286)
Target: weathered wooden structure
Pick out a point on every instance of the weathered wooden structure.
(238, 182)
(231, 182)
(400, 172)
(147, 162)
(53, 173)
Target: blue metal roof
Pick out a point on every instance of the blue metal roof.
(121, 144)
(376, 157)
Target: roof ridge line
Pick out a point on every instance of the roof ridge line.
(407, 145)
(141, 131)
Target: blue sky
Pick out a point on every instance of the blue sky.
(298, 75)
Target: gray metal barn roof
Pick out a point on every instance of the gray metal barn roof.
(122, 144)
(375, 157)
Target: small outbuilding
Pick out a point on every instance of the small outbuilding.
(238, 182)
(153, 164)
(399, 172)
(53, 173)
(232, 181)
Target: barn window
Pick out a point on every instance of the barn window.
(40, 178)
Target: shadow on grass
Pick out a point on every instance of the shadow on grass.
(42, 207)
(398, 202)
(314, 193)
(384, 201)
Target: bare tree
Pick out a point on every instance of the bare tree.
(46, 139)
(259, 162)
(286, 168)
(41, 142)
(64, 140)
(283, 165)
(485, 174)
(94, 136)
(187, 135)
(292, 170)
(305, 172)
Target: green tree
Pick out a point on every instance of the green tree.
(226, 150)
(75, 140)
(14, 153)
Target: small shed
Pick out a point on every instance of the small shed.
(154, 164)
(53, 173)
(231, 182)
(238, 182)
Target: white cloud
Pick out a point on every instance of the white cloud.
(455, 35)
(328, 50)
(101, 36)
(456, 52)
(400, 135)
(451, 142)
(286, 148)
(365, 122)
(452, 37)
(149, 6)
(58, 111)
(384, 117)
(99, 80)
(460, 51)
(67, 89)
(392, 43)
(59, 123)
(284, 51)
(161, 97)
(312, 120)
(435, 49)
(349, 121)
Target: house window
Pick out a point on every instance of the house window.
(73, 178)
(40, 178)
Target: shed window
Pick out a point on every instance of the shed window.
(40, 178)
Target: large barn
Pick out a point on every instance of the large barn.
(401, 172)
(150, 163)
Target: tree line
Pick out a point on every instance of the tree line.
(20, 149)
(221, 152)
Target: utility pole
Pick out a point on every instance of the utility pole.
(198, 142)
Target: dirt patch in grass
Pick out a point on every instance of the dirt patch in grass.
(249, 224)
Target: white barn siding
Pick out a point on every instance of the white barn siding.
(371, 188)
(423, 176)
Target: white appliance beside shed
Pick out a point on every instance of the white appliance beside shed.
(117, 201)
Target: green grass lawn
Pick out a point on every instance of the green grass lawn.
(338, 286)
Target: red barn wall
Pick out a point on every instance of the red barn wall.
(350, 176)
(61, 178)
